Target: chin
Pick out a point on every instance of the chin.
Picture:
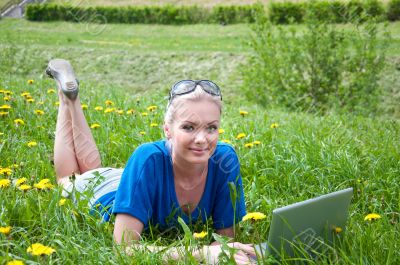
(198, 160)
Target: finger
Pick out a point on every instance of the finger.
(240, 259)
(246, 248)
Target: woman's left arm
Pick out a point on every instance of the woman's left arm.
(228, 232)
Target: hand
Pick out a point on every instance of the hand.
(243, 253)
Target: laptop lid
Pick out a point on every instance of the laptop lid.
(306, 226)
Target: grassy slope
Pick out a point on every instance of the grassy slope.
(307, 155)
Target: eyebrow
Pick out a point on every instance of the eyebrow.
(196, 123)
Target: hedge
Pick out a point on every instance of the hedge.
(327, 11)
(280, 13)
(393, 12)
(147, 15)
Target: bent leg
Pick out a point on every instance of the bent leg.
(87, 154)
(75, 150)
(65, 162)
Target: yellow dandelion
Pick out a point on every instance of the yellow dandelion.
(243, 113)
(240, 136)
(30, 100)
(32, 144)
(4, 183)
(98, 108)
(5, 230)
(109, 103)
(30, 81)
(51, 91)
(202, 234)
(226, 141)
(6, 171)
(249, 145)
(120, 112)
(19, 122)
(15, 262)
(84, 106)
(130, 111)
(44, 184)
(62, 202)
(57, 103)
(3, 113)
(337, 229)
(95, 126)
(274, 125)
(253, 216)
(6, 98)
(256, 142)
(144, 113)
(153, 125)
(142, 133)
(372, 217)
(108, 110)
(20, 181)
(25, 187)
(221, 130)
(38, 249)
(39, 112)
(5, 106)
(7, 92)
(26, 94)
(151, 108)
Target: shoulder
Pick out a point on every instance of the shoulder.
(225, 157)
(151, 148)
(148, 151)
(223, 150)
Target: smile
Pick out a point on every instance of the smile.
(197, 150)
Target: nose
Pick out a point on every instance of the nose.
(200, 137)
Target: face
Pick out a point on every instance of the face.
(194, 131)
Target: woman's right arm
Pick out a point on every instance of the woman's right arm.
(127, 228)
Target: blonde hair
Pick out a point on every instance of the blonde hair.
(197, 95)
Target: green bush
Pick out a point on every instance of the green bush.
(279, 13)
(326, 11)
(287, 12)
(393, 12)
(147, 15)
(321, 68)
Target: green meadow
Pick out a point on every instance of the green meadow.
(302, 156)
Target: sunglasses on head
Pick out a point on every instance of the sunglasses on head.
(188, 86)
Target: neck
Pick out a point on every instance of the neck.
(186, 171)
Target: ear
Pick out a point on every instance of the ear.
(167, 131)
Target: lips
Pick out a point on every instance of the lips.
(198, 150)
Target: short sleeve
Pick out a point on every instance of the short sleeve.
(135, 193)
(229, 203)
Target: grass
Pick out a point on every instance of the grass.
(306, 156)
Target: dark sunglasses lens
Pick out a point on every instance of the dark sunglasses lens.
(210, 87)
(183, 87)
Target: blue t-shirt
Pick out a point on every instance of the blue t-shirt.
(147, 189)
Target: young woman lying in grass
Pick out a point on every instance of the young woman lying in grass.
(186, 175)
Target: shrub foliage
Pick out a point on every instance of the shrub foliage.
(143, 14)
(279, 13)
(320, 68)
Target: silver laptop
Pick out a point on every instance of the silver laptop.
(306, 227)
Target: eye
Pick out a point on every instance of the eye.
(188, 128)
(212, 128)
